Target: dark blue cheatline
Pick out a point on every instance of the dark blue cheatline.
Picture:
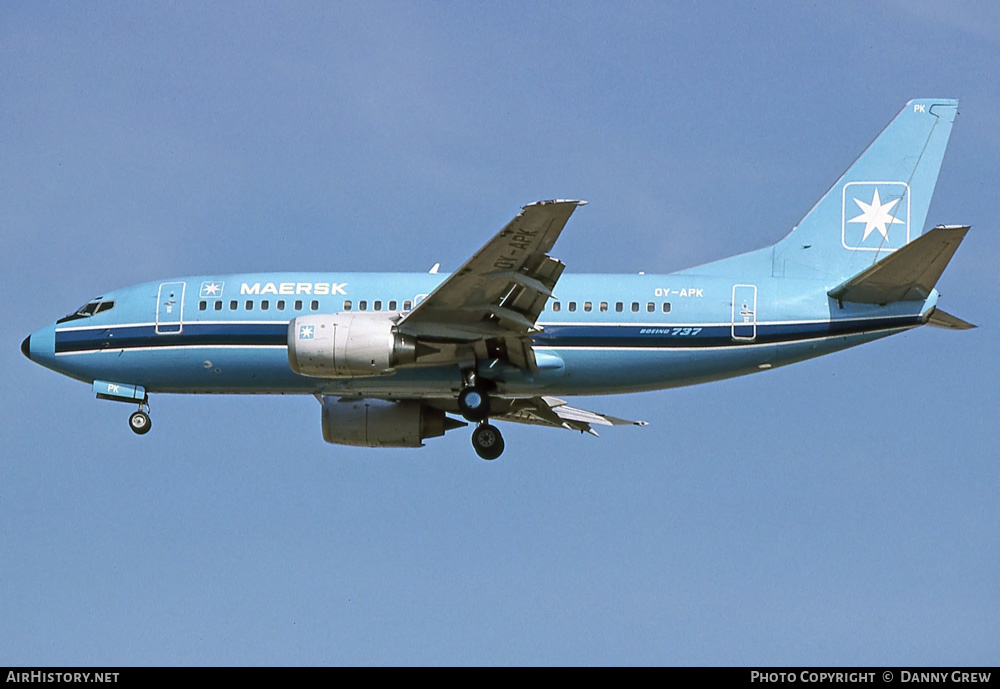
(564, 335)
(192, 334)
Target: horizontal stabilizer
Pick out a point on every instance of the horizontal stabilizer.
(940, 319)
(907, 274)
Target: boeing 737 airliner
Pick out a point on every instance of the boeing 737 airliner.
(391, 356)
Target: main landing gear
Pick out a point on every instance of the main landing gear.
(487, 441)
(474, 405)
(139, 421)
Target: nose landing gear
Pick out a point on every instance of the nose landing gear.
(139, 422)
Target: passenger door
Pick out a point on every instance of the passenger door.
(170, 308)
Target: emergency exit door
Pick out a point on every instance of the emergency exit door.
(745, 312)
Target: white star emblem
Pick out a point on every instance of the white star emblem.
(876, 216)
(212, 288)
(305, 332)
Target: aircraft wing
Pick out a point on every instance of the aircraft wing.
(499, 292)
(554, 412)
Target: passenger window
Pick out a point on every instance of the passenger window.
(588, 306)
(604, 307)
(363, 305)
(619, 307)
(281, 305)
(392, 305)
(572, 306)
(202, 306)
(556, 306)
(347, 305)
(635, 307)
(264, 305)
(650, 307)
(218, 306)
(407, 305)
(249, 305)
(233, 305)
(314, 305)
(377, 305)
(298, 304)
(666, 307)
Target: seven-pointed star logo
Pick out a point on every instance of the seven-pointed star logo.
(876, 216)
(211, 289)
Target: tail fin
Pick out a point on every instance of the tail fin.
(879, 205)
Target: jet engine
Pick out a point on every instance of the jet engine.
(346, 345)
(377, 423)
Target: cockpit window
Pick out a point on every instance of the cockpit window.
(94, 306)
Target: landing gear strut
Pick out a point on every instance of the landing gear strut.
(487, 441)
(139, 422)
(473, 400)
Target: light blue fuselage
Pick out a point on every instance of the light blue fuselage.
(610, 334)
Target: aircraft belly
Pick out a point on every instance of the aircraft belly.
(594, 372)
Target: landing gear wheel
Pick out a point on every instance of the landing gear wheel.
(474, 403)
(487, 441)
(139, 423)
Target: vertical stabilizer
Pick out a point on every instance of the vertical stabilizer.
(879, 205)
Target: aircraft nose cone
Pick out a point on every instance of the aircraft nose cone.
(26, 347)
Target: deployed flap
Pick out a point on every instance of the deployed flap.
(941, 319)
(554, 412)
(500, 291)
(908, 274)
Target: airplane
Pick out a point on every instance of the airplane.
(393, 359)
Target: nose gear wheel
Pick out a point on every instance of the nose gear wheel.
(139, 422)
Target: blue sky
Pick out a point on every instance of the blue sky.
(840, 511)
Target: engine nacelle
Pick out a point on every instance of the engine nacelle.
(377, 423)
(346, 345)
